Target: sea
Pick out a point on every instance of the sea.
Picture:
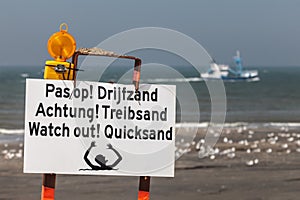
(272, 101)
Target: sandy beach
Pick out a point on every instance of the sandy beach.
(244, 165)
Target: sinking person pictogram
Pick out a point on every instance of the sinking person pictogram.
(100, 159)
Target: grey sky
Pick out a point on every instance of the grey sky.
(267, 32)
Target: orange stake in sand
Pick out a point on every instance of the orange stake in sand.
(144, 188)
(48, 187)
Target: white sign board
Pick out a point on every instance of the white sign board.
(99, 128)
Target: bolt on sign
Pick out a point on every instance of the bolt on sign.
(99, 128)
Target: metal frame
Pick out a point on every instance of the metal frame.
(100, 52)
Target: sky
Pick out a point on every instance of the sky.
(267, 32)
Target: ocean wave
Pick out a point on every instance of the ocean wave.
(192, 125)
(158, 80)
(11, 131)
(206, 124)
(239, 124)
(174, 80)
(287, 124)
(179, 80)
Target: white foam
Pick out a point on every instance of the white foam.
(288, 124)
(192, 125)
(11, 131)
(190, 79)
(244, 125)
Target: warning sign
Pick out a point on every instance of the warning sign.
(99, 128)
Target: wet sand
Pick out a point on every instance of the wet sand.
(223, 175)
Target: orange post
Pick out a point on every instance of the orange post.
(48, 187)
(144, 188)
(61, 46)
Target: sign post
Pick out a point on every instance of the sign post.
(48, 187)
(144, 188)
(61, 46)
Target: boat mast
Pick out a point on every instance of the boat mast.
(238, 62)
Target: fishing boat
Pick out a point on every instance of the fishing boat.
(224, 72)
